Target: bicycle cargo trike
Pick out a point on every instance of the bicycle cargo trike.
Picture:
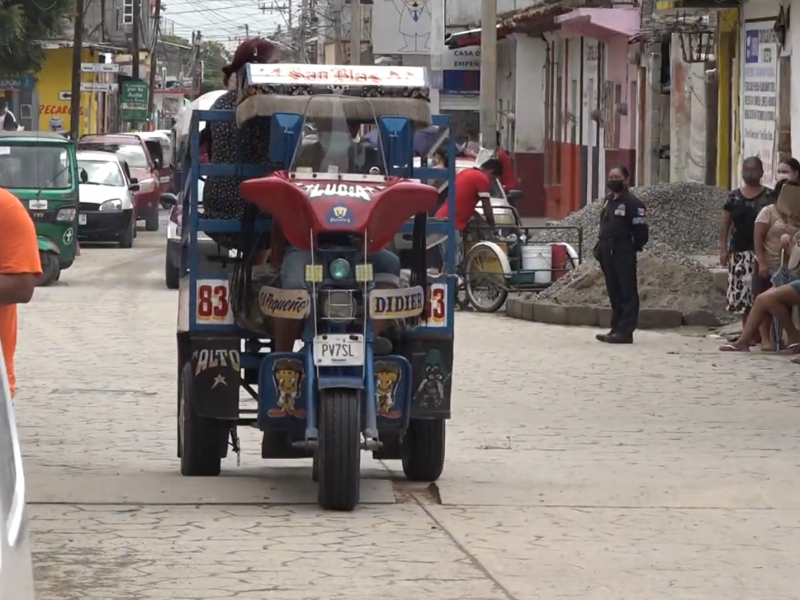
(371, 366)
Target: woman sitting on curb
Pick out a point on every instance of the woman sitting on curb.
(777, 302)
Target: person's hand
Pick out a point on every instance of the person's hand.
(786, 241)
(723, 258)
(763, 271)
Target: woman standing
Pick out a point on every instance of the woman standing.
(736, 236)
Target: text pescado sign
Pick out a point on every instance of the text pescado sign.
(402, 303)
(284, 304)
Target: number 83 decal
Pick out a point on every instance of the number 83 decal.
(212, 301)
(438, 306)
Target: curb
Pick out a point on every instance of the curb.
(598, 316)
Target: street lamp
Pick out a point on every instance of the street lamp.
(697, 46)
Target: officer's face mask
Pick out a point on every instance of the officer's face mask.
(615, 185)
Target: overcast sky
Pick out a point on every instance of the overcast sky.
(224, 20)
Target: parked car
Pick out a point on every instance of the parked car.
(163, 155)
(16, 566)
(106, 210)
(144, 157)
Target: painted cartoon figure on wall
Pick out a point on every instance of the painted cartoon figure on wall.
(414, 25)
(287, 374)
(430, 392)
(387, 378)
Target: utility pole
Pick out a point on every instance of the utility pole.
(489, 74)
(153, 62)
(75, 94)
(137, 18)
(355, 32)
(303, 34)
(336, 7)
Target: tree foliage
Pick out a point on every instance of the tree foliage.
(214, 56)
(23, 23)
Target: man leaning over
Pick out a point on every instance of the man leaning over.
(19, 268)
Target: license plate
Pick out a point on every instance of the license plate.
(81, 219)
(339, 350)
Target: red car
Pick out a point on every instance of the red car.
(144, 157)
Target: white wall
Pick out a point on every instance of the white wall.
(531, 54)
(467, 13)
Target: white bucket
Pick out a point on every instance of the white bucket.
(539, 259)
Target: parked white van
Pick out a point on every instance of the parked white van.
(16, 567)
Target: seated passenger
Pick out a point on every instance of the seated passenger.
(221, 199)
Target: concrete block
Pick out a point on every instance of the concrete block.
(720, 279)
(528, 311)
(514, 309)
(582, 316)
(701, 318)
(604, 317)
(552, 314)
(658, 318)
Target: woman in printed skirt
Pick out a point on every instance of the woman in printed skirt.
(736, 235)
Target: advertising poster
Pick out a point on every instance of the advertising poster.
(403, 26)
(760, 96)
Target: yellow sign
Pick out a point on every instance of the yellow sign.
(53, 78)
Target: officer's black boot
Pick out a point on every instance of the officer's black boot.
(619, 338)
(603, 337)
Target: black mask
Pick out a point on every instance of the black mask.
(615, 185)
(751, 177)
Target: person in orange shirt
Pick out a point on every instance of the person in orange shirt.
(19, 268)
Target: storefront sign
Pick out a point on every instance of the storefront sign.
(462, 59)
(760, 95)
(133, 102)
(25, 82)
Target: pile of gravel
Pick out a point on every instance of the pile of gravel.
(682, 216)
(666, 280)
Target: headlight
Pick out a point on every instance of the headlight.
(337, 305)
(66, 214)
(111, 206)
(502, 217)
(146, 185)
(340, 268)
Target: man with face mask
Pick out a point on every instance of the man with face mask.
(623, 233)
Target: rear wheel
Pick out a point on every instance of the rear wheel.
(151, 219)
(202, 441)
(424, 449)
(484, 279)
(339, 452)
(51, 269)
(172, 274)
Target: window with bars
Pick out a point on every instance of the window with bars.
(127, 12)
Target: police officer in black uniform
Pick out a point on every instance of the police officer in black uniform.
(623, 233)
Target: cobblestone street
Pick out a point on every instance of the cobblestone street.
(665, 470)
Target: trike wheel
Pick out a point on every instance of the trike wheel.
(201, 440)
(339, 452)
(315, 468)
(51, 269)
(484, 279)
(423, 449)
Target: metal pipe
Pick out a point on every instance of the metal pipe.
(355, 32)
(488, 99)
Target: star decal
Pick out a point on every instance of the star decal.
(194, 354)
(219, 380)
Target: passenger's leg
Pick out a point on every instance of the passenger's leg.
(293, 277)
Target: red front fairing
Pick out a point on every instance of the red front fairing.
(303, 206)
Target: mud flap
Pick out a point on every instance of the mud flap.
(431, 358)
(216, 367)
